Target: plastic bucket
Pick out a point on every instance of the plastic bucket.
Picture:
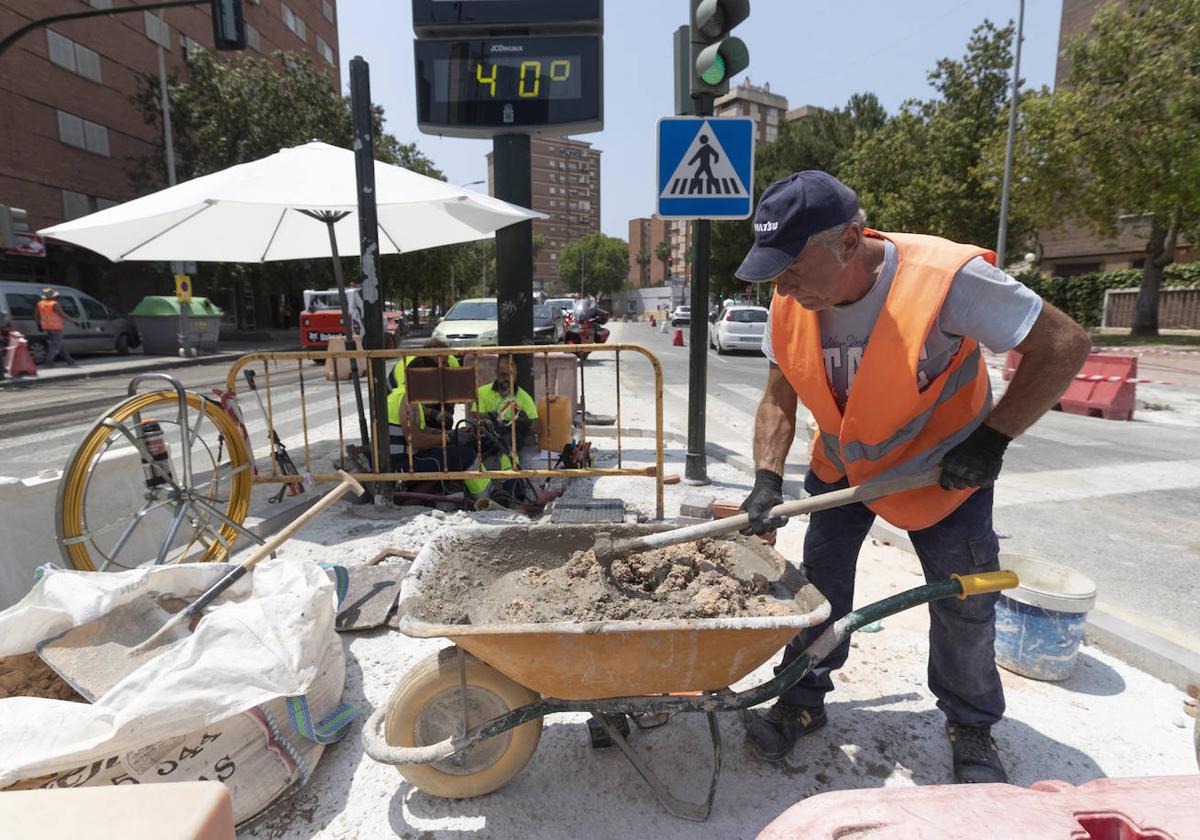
(1039, 625)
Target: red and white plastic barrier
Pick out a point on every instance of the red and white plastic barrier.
(1098, 378)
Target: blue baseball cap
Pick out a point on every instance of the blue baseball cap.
(789, 212)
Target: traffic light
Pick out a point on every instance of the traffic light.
(716, 55)
(12, 221)
(229, 27)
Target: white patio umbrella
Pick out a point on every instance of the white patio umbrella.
(268, 210)
(253, 212)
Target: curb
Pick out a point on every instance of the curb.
(134, 368)
(1170, 662)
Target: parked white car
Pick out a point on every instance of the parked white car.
(469, 323)
(739, 328)
(682, 316)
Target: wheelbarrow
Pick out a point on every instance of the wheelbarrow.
(466, 720)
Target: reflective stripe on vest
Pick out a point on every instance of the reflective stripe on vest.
(48, 318)
(891, 428)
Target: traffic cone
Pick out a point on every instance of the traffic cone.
(678, 342)
(653, 323)
(17, 359)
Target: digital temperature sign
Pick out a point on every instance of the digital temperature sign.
(480, 87)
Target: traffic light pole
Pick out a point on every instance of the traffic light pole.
(696, 464)
(368, 234)
(514, 251)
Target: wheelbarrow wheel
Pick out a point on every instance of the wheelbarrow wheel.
(427, 707)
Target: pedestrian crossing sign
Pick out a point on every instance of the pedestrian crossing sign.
(705, 167)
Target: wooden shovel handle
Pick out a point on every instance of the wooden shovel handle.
(866, 492)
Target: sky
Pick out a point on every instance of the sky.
(812, 53)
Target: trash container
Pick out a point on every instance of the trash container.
(157, 319)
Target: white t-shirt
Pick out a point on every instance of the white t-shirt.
(983, 303)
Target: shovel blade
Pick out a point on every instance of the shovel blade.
(95, 656)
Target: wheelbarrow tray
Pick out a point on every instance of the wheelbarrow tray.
(592, 660)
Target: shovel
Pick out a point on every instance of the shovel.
(488, 608)
(94, 657)
(608, 550)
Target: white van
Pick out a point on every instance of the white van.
(97, 327)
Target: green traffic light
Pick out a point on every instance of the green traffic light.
(715, 72)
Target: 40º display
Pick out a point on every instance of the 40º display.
(480, 87)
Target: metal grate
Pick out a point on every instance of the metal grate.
(584, 511)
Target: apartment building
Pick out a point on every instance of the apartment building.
(68, 131)
(746, 99)
(1072, 248)
(565, 177)
(646, 235)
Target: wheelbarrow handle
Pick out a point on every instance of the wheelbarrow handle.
(376, 745)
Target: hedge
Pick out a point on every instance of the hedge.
(1082, 295)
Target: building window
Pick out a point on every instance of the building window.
(72, 56)
(76, 205)
(294, 23)
(252, 39)
(157, 30)
(327, 10)
(324, 49)
(188, 45)
(82, 134)
(100, 4)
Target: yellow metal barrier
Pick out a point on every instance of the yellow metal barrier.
(381, 474)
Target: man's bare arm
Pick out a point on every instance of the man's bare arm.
(1051, 355)
(774, 423)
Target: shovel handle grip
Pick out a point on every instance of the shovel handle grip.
(977, 584)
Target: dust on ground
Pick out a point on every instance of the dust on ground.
(26, 675)
(553, 575)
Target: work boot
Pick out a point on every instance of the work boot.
(772, 736)
(976, 759)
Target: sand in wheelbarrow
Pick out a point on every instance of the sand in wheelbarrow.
(26, 675)
(704, 579)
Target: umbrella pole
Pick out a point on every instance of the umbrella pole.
(348, 328)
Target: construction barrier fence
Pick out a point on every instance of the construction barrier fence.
(443, 387)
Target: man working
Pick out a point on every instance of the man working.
(878, 335)
(50, 318)
(420, 426)
(507, 402)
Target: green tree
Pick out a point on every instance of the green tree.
(643, 261)
(1120, 135)
(596, 264)
(662, 253)
(822, 140)
(927, 170)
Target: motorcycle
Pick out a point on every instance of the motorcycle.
(585, 325)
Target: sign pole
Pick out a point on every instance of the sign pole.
(514, 251)
(372, 294)
(696, 464)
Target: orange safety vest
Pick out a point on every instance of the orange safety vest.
(48, 318)
(890, 428)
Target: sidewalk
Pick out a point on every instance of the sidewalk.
(92, 366)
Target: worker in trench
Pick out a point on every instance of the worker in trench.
(879, 334)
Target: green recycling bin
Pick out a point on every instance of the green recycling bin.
(157, 319)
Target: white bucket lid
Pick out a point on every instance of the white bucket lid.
(1048, 585)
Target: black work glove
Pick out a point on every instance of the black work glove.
(976, 461)
(767, 492)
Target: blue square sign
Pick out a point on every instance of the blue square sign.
(705, 167)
